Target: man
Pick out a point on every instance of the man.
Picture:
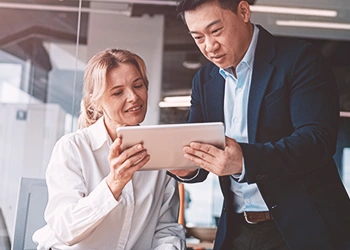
(278, 100)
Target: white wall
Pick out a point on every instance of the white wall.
(142, 35)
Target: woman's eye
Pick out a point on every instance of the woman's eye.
(138, 86)
(117, 93)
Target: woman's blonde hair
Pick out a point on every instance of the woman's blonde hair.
(95, 81)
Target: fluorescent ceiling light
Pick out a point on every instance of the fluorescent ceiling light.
(145, 2)
(323, 25)
(191, 64)
(174, 104)
(293, 11)
(344, 114)
(175, 101)
(255, 8)
(21, 6)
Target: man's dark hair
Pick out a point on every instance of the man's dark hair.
(185, 5)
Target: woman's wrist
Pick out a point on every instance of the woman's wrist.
(115, 186)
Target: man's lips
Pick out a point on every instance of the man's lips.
(217, 57)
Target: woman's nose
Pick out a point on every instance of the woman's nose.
(132, 96)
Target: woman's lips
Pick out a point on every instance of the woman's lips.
(134, 109)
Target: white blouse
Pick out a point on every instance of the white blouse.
(82, 213)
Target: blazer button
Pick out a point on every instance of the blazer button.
(258, 177)
(225, 209)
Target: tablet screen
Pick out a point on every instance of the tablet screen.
(164, 143)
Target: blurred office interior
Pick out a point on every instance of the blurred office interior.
(44, 47)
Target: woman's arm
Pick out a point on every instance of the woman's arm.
(72, 212)
(78, 204)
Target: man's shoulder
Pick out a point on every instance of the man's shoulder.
(291, 44)
(281, 41)
(283, 45)
(296, 49)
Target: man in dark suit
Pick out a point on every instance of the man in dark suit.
(278, 100)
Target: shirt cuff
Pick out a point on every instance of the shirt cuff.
(240, 177)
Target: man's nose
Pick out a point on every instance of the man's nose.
(211, 45)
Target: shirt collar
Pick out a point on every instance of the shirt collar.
(248, 58)
(98, 134)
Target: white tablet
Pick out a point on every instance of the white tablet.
(164, 143)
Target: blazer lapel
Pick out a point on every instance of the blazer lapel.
(214, 95)
(262, 70)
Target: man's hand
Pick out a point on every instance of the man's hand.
(218, 161)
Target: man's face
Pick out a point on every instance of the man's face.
(222, 36)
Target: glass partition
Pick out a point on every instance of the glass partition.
(40, 88)
(44, 48)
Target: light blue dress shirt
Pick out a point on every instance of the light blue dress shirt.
(247, 196)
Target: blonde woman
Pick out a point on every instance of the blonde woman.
(97, 198)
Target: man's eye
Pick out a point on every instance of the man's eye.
(216, 31)
(198, 39)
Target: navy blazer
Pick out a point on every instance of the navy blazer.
(293, 117)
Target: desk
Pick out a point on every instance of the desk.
(195, 244)
(200, 246)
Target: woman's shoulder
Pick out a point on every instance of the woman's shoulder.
(80, 136)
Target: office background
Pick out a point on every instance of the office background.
(44, 47)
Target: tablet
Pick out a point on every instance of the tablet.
(164, 143)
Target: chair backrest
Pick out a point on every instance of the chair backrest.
(32, 200)
(4, 237)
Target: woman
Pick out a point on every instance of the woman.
(97, 198)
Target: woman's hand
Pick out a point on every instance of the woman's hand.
(123, 165)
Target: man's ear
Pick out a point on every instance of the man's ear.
(243, 10)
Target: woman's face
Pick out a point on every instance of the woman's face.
(125, 101)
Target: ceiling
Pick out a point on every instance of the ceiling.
(20, 37)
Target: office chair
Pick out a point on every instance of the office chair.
(4, 237)
(32, 200)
